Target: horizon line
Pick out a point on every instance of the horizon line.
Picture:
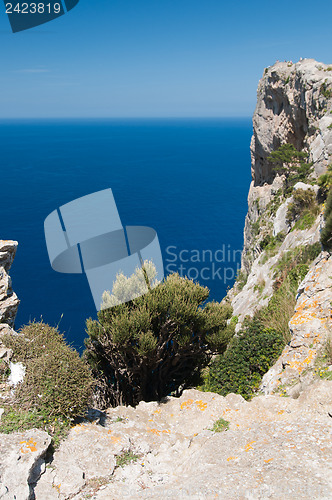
(227, 117)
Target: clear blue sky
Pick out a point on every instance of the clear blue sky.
(151, 58)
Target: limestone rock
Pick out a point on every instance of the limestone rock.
(310, 328)
(275, 447)
(21, 462)
(8, 299)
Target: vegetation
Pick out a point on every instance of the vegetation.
(220, 425)
(57, 386)
(291, 163)
(271, 245)
(241, 279)
(156, 344)
(261, 340)
(325, 90)
(303, 209)
(249, 356)
(127, 457)
(326, 234)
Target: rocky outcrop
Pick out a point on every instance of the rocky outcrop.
(275, 447)
(311, 328)
(22, 462)
(294, 103)
(8, 299)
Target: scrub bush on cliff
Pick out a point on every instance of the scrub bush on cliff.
(326, 234)
(57, 385)
(156, 344)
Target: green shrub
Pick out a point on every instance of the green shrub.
(156, 344)
(303, 199)
(57, 386)
(324, 182)
(326, 234)
(241, 279)
(249, 355)
(292, 163)
(325, 90)
(306, 220)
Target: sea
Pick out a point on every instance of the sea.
(186, 178)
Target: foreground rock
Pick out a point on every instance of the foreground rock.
(21, 463)
(276, 447)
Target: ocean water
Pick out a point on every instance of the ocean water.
(187, 179)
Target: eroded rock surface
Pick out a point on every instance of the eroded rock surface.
(21, 463)
(276, 447)
(310, 328)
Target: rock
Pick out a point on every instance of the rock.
(280, 223)
(295, 112)
(21, 462)
(17, 373)
(310, 329)
(8, 299)
(275, 447)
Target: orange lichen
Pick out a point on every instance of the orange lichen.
(248, 446)
(231, 458)
(268, 461)
(186, 404)
(28, 446)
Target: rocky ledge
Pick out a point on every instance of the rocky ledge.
(275, 447)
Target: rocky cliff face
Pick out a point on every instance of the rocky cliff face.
(8, 299)
(294, 103)
(294, 106)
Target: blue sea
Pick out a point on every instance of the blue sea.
(187, 179)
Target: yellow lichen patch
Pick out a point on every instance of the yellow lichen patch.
(154, 431)
(200, 405)
(157, 432)
(157, 412)
(28, 446)
(280, 412)
(186, 404)
(248, 446)
(268, 461)
(115, 439)
(80, 428)
(231, 458)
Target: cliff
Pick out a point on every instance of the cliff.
(8, 299)
(294, 106)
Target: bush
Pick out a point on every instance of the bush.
(292, 163)
(57, 386)
(247, 358)
(326, 234)
(303, 200)
(156, 344)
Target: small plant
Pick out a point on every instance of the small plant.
(330, 126)
(304, 200)
(259, 287)
(326, 234)
(126, 458)
(325, 90)
(241, 279)
(220, 425)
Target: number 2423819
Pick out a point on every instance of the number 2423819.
(33, 8)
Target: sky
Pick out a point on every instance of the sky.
(155, 58)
